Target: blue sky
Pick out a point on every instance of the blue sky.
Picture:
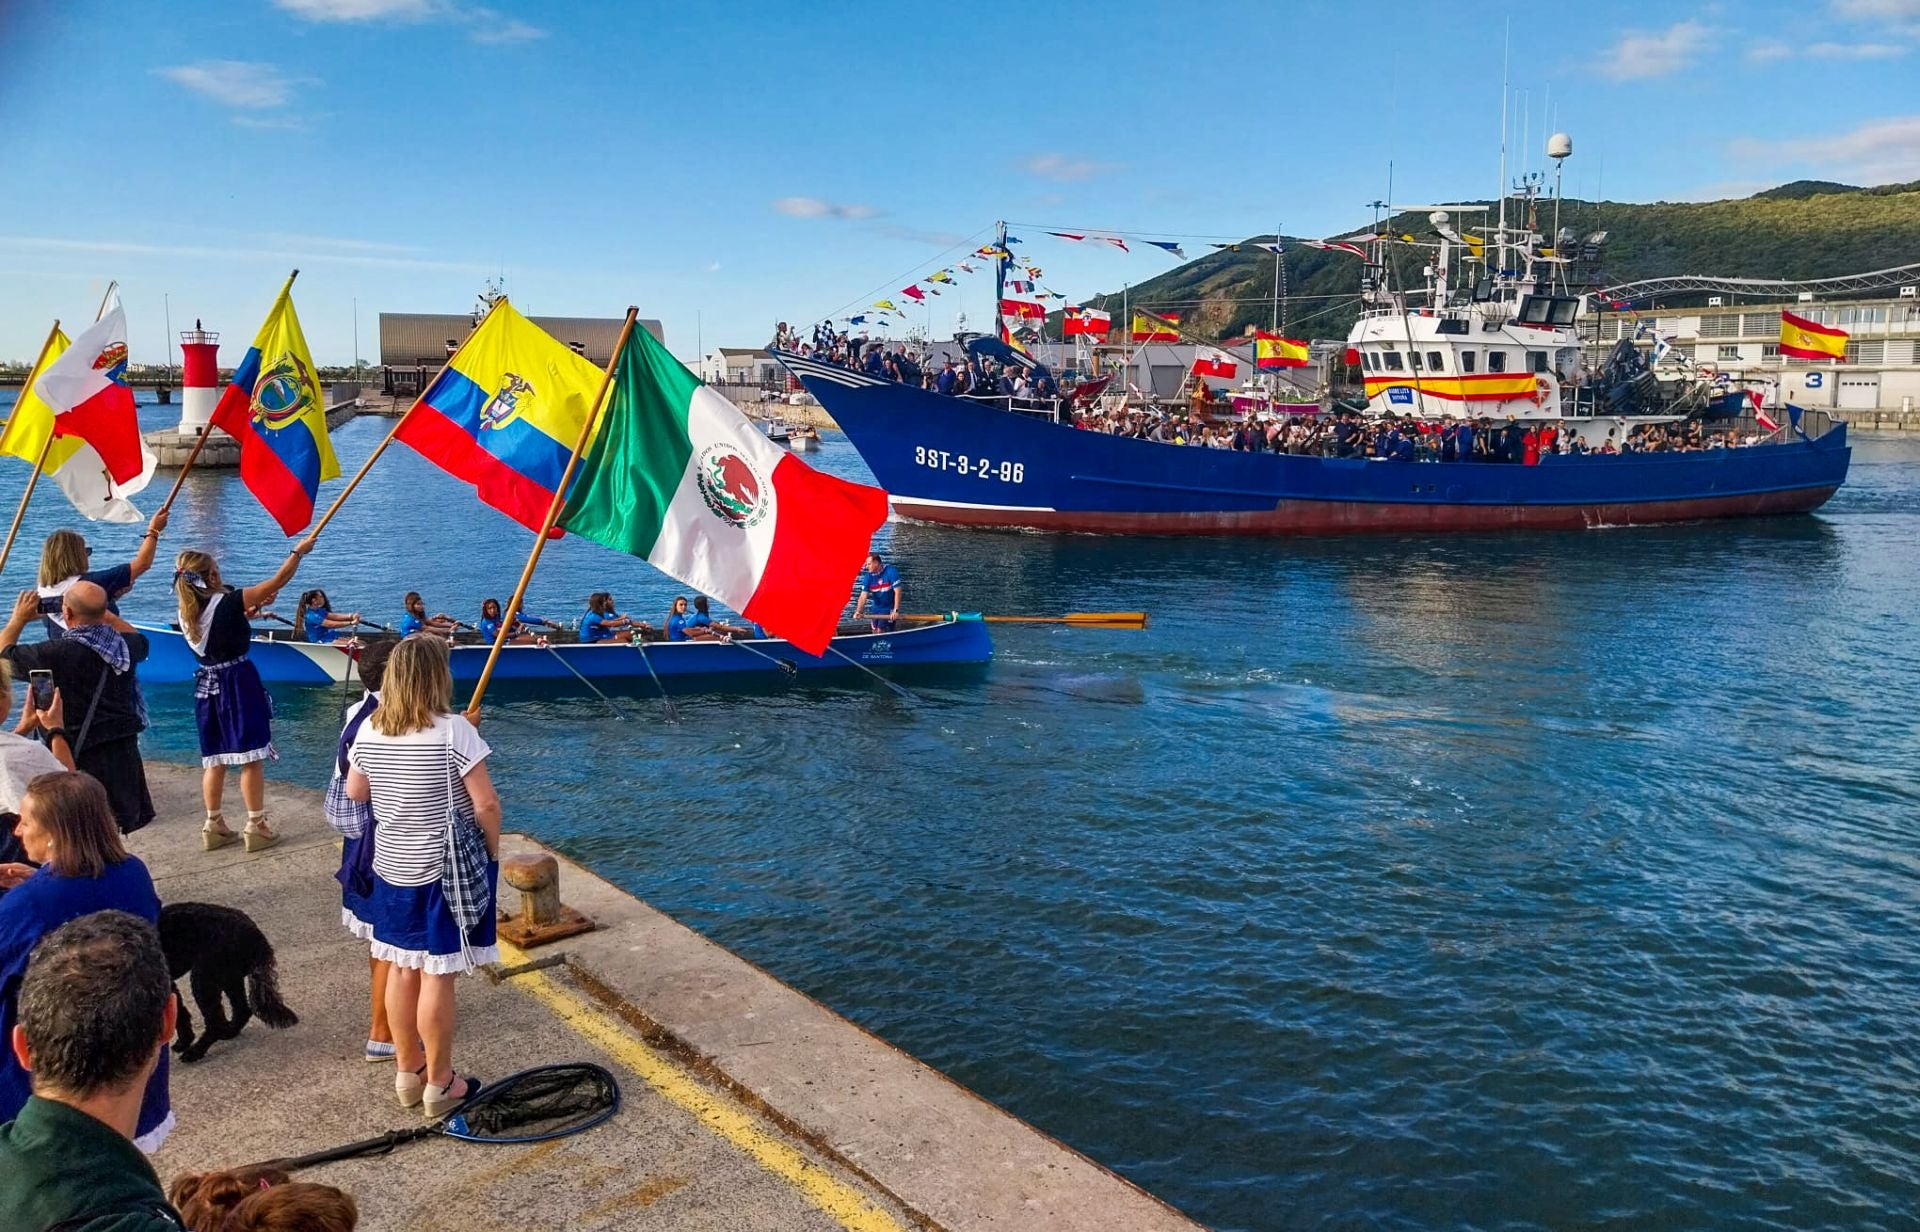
(727, 165)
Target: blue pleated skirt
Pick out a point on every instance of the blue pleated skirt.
(234, 712)
(413, 928)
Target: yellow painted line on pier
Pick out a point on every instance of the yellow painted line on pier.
(847, 1205)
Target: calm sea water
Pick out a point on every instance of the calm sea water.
(1530, 881)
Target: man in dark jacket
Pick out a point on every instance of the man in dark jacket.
(93, 669)
(96, 1008)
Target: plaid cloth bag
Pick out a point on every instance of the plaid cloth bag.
(349, 818)
(463, 877)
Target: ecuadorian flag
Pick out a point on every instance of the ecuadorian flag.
(505, 414)
(274, 408)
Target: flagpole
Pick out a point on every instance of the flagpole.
(46, 447)
(105, 300)
(206, 430)
(554, 506)
(400, 423)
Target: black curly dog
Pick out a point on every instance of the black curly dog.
(226, 953)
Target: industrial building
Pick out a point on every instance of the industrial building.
(413, 345)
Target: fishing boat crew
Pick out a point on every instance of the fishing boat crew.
(65, 559)
(230, 705)
(603, 623)
(316, 621)
(416, 620)
(519, 633)
(879, 594)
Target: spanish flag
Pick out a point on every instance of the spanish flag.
(1150, 328)
(1273, 351)
(1804, 339)
(504, 414)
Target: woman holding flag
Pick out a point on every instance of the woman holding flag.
(232, 707)
(65, 558)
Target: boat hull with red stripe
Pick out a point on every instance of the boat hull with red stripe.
(962, 463)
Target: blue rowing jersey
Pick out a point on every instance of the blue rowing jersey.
(410, 624)
(700, 620)
(316, 622)
(489, 630)
(593, 627)
(879, 587)
(677, 626)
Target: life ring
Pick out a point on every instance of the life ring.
(1540, 390)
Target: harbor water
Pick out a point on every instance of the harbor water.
(1523, 881)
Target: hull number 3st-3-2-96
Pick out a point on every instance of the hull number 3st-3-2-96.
(976, 468)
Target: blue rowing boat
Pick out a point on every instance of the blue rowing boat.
(956, 640)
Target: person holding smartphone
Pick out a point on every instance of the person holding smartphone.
(24, 759)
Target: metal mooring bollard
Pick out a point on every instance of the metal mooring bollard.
(542, 917)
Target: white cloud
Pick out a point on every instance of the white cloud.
(1896, 13)
(1768, 53)
(1641, 53)
(1065, 168)
(1879, 152)
(713, 267)
(484, 25)
(361, 10)
(245, 84)
(814, 207)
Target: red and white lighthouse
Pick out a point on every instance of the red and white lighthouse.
(200, 378)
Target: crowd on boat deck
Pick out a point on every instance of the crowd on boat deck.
(975, 376)
(1350, 435)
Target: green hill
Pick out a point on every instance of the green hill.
(1808, 229)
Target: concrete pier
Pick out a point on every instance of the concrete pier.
(171, 447)
(747, 1104)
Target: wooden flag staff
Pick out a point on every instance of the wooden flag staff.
(553, 516)
(46, 448)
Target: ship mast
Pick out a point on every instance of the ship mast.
(1000, 264)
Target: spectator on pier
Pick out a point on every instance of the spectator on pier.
(92, 668)
(95, 1013)
(65, 559)
(66, 828)
(22, 760)
(356, 855)
(423, 769)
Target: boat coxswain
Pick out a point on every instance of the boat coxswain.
(519, 633)
(316, 621)
(879, 594)
(416, 619)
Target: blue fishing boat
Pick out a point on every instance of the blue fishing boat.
(1490, 344)
(957, 639)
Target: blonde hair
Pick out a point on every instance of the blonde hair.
(417, 688)
(63, 556)
(193, 599)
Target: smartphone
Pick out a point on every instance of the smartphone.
(42, 685)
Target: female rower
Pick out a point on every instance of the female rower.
(680, 626)
(416, 619)
(602, 622)
(316, 620)
(64, 560)
(519, 634)
(231, 706)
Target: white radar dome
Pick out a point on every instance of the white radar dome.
(1559, 146)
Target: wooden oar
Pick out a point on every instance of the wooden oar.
(667, 708)
(1090, 620)
(786, 668)
(581, 677)
(899, 689)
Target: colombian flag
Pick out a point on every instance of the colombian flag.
(1273, 351)
(275, 410)
(1804, 339)
(505, 413)
(1148, 328)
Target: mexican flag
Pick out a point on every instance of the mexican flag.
(678, 476)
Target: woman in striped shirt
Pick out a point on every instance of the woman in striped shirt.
(423, 769)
